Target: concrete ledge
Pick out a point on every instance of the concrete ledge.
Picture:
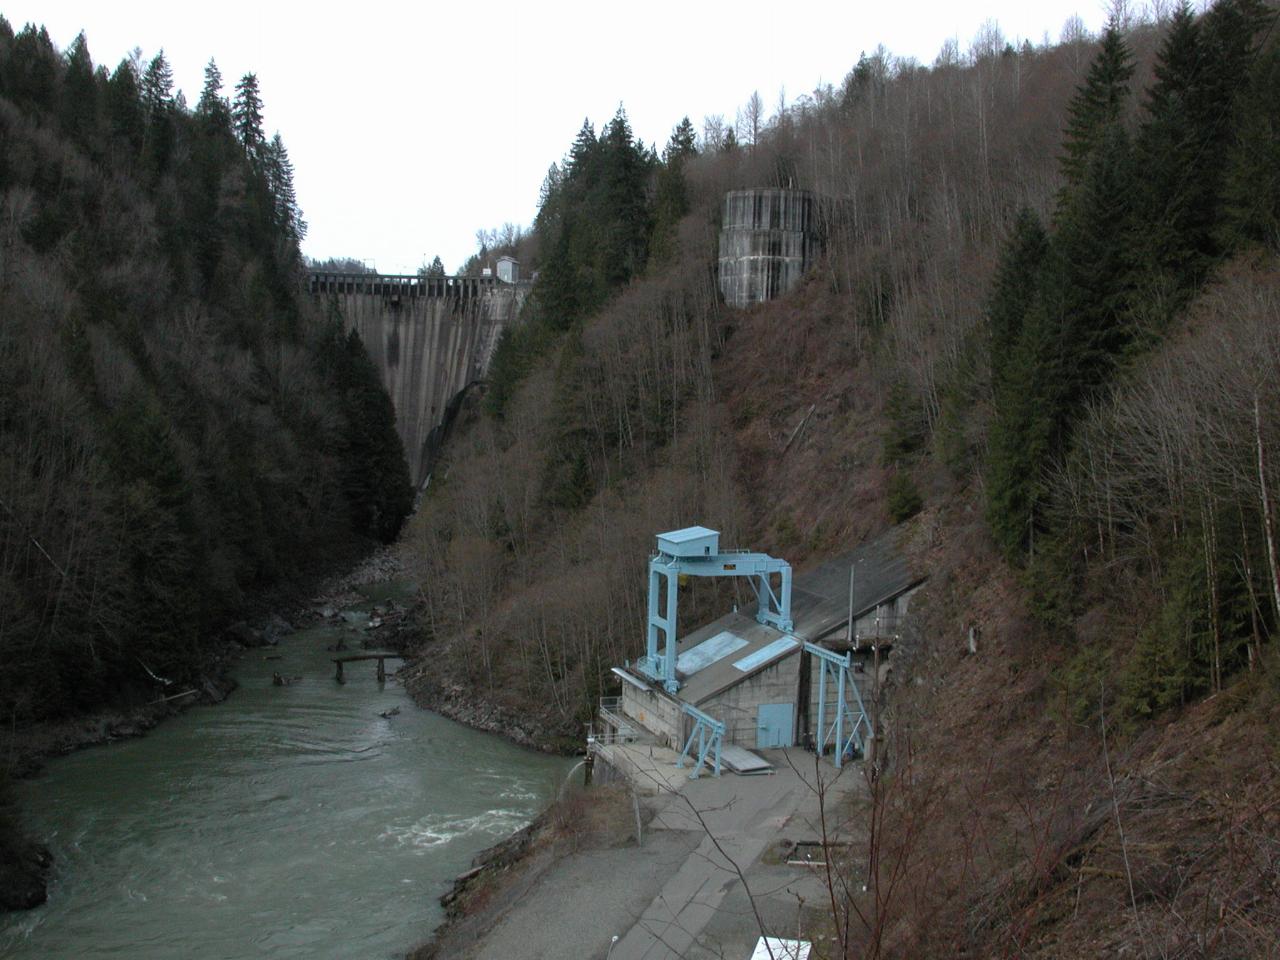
(650, 769)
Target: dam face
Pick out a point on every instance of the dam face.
(430, 338)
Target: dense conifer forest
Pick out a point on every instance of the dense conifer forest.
(178, 431)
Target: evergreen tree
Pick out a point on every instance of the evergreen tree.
(279, 170)
(433, 269)
(1175, 195)
(1184, 151)
(1019, 352)
(582, 151)
(683, 143)
(246, 114)
(1016, 283)
(212, 107)
(1072, 331)
(31, 73)
(594, 222)
(558, 293)
(1086, 285)
(375, 476)
(157, 87)
(624, 203)
(1231, 29)
(671, 201)
(550, 186)
(158, 107)
(124, 107)
(1251, 213)
(1019, 443)
(79, 112)
(1097, 105)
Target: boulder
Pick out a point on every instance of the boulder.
(245, 635)
(24, 870)
(275, 628)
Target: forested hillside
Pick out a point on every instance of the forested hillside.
(1044, 331)
(177, 431)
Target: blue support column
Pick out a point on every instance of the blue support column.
(822, 705)
(840, 711)
(784, 606)
(651, 645)
(669, 661)
(661, 666)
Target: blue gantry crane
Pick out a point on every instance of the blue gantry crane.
(695, 552)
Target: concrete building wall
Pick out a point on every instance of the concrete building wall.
(767, 241)
(429, 341)
(657, 713)
(738, 707)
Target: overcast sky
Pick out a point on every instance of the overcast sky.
(412, 125)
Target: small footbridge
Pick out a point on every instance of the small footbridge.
(381, 657)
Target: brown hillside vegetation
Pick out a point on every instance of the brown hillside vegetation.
(1019, 832)
(1052, 794)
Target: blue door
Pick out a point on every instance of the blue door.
(773, 725)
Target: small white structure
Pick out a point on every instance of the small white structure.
(689, 542)
(778, 948)
(508, 270)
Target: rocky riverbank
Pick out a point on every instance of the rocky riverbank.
(462, 704)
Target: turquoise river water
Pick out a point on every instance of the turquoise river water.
(287, 822)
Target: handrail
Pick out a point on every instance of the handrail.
(613, 716)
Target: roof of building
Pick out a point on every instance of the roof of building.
(688, 533)
(820, 596)
(738, 648)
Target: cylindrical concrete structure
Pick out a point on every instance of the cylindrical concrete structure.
(767, 241)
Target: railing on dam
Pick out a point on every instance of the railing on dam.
(392, 285)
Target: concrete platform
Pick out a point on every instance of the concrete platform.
(703, 910)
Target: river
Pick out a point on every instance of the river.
(288, 822)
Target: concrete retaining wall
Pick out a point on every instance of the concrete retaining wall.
(657, 713)
(767, 241)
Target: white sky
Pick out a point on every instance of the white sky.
(413, 125)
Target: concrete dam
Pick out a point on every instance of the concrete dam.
(430, 337)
